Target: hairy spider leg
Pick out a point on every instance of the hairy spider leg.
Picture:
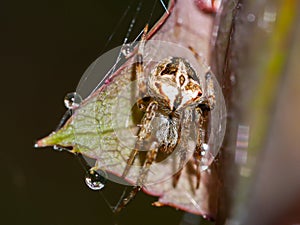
(145, 128)
(203, 112)
(207, 103)
(142, 86)
(141, 91)
(144, 132)
(150, 157)
(201, 139)
(203, 108)
(210, 91)
(185, 124)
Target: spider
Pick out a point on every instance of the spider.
(173, 91)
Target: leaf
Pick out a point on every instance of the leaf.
(94, 130)
(104, 125)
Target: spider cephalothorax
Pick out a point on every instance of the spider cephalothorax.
(174, 84)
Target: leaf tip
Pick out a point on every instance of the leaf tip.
(44, 142)
(49, 140)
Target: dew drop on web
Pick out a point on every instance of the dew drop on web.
(72, 100)
(96, 180)
(126, 50)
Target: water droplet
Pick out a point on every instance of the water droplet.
(60, 148)
(96, 180)
(205, 147)
(72, 100)
(126, 50)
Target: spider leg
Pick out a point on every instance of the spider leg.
(210, 92)
(183, 134)
(206, 105)
(150, 157)
(123, 202)
(145, 126)
(141, 91)
(144, 132)
(142, 86)
(201, 139)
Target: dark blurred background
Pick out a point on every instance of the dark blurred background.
(46, 47)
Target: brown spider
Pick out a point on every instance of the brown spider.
(172, 91)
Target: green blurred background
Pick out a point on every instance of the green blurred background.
(46, 47)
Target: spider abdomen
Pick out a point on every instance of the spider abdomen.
(167, 133)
